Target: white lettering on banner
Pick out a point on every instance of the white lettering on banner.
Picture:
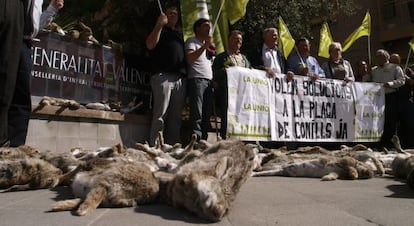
(62, 61)
(302, 110)
(59, 60)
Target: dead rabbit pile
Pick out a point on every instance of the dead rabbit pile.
(202, 178)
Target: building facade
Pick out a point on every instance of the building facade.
(392, 27)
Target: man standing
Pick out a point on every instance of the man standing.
(362, 71)
(392, 77)
(303, 63)
(231, 57)
(21, 105)
(11, 35)
(169, 82)
(405, 105)
(268, 56)
(199, 77)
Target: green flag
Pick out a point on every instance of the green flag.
(411, 43)
(325, 41)
(236, 9)
(231, 12)
(363, 30)
(286, 42)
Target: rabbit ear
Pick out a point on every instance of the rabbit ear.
(223, 167)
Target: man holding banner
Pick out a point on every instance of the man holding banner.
(268, 56)
(302, 63)
(168, 82)
(229, 58)
(337, 67)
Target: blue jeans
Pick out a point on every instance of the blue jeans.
(200, 98)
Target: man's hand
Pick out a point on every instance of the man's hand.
(57, 4)
(208, 41)
(314, 77)
(270, 73)
(162, 20)
(304, 71)
(346, 79)
(289, 75)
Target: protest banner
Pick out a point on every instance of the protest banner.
(87, 73)
(325, 110)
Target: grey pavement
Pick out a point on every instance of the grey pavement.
(261, 201)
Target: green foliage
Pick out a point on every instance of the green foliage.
(129, 21)
(298, 15)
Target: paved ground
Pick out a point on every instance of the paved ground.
(261, 201)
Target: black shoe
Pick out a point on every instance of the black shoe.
(6, 144)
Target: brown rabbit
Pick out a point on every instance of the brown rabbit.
(28, 173)
(325, 167)
(208, 184)
(110, 183)
(403, 167)
(23, 151)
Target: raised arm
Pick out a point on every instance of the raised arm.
(154, 37)
(48, 15)
(193, 54)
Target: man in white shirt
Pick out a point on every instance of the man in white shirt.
(200, 75)
(392, 77)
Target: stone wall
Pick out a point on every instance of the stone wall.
(56, 129)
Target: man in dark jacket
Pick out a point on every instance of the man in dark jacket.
(12, 16)
(268, 56)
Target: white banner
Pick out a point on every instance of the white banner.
(249, 104)
(325, 110)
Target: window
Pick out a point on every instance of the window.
(388, 9)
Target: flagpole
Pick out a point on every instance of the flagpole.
(159, 5)
(217, 17)
(369, 50)
(408, 59)
(300, 57)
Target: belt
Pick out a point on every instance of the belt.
(178, 74)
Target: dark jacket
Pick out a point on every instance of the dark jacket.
(219, 67)
(257, 61)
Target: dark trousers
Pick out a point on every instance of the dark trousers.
(391, 119)
(11, 36)
(221, 104)
(21, 105)
(406, 116)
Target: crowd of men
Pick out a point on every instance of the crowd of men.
(179, 62)
(190, 69)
